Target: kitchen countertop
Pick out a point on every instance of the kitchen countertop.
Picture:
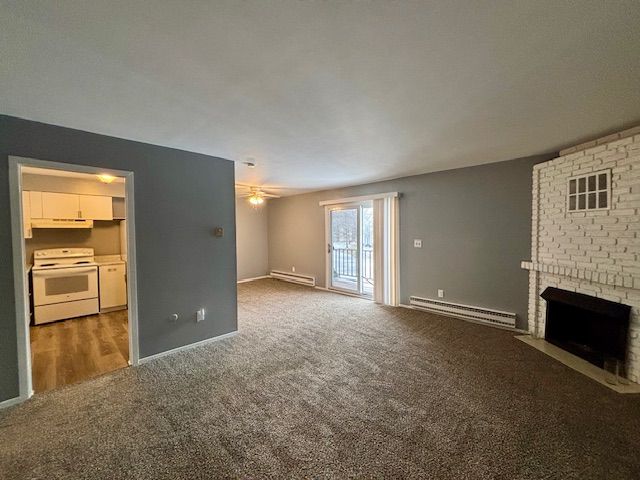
(99, 259)
(108, 259)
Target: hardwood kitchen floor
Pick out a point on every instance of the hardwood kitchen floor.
(74, 350)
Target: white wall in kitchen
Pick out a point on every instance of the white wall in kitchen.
(104, 238)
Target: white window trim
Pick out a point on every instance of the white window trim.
(598, 190)
(359, 199)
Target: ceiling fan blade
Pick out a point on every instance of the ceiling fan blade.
(244, 190)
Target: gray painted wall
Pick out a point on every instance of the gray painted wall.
(252, 239)
(179, 198)
(475, 226)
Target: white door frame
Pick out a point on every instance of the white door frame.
(20, 282)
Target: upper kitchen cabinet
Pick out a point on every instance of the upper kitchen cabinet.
(119, 208)
(96, 207)
(71, 206)
(60, 205)
(26, 215)
(35, 203)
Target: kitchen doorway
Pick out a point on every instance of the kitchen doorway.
(75, 285)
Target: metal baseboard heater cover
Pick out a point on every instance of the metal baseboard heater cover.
(294, 278)
(467, 312)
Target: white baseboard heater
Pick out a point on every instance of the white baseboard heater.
(294, 278)
(467, 312)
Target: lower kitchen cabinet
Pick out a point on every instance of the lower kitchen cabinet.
(113, 286)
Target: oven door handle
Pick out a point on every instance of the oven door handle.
(60, 272)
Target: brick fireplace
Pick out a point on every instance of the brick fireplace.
(589, 244)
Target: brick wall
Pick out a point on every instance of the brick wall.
(597, 252)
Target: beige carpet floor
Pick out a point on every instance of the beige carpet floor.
(319, 385)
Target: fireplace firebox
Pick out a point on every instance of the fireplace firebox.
(591, 328)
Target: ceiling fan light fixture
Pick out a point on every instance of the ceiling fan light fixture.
(256, 199)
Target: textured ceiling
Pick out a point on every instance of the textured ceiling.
(328, 93)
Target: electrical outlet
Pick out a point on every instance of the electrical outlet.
(440, 293)
(417, 243)
(293, 269)
(200, 315)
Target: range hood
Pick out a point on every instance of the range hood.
(60, 223)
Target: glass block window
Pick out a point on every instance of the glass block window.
(589, 192)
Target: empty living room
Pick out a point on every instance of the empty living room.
(320, 239)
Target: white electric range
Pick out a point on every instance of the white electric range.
(65, 284)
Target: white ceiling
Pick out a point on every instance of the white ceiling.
(328, 93)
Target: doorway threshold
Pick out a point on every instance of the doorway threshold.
(348, 294)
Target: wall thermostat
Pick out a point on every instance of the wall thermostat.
(218, 231)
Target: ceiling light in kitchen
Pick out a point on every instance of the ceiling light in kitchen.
(104, 178)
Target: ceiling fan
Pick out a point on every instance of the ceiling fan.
(255, 195)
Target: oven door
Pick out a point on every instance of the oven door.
(58, 285)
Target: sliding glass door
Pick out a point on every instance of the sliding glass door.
(351, 248)
(345, 248)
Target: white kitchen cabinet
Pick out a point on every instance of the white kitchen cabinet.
(119, 208)
(35, 199)
(95, 207)
(113, 285)
(26, 214)
(60, 205)
(70, 206)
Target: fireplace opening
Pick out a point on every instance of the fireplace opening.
(589, 327)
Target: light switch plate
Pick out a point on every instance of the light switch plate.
(417, 243)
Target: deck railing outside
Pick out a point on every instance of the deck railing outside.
(345, 263)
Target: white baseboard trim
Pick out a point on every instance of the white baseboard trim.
(517, 330)
(11, 402)
(245, 280)
(187, 347)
